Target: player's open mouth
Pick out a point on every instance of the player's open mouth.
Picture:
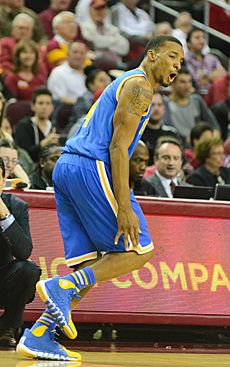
(172, 76)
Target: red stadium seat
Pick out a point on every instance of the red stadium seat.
(63, 113)
(16, 111)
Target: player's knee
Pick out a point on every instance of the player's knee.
(145, 257)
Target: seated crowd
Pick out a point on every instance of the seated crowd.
(55, 64)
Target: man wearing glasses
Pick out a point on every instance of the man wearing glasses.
(9, 155)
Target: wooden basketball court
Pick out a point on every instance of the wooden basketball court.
(122, 359)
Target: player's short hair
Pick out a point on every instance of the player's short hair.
(157, 42)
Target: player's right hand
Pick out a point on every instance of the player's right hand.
(128, 224)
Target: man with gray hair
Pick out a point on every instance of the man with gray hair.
(46, 16)
(22, 29)
(10, 10)
(66, 30)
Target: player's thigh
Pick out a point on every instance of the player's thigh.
(77, 244)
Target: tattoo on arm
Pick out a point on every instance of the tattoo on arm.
(140, 101)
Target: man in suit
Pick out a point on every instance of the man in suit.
(18, 275)
(168, 158)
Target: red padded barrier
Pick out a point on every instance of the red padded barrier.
(187, 281)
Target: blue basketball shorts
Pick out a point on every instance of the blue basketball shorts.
(87, 210)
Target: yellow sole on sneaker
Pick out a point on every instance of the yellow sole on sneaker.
(21, 349)
(73, 357)
(41, 291)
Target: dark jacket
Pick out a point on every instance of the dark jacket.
(15, 241)
(143, 188)
(37, 181)
(25, 138)
(155, 181)
(202, 177)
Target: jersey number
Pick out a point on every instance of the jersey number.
(90, 114)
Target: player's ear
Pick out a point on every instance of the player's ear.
(151, 55)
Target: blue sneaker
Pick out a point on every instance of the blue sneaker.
(40, 344)
(57, 293)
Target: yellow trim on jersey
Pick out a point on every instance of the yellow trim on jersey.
(143, 250)
(140, 68)
(81, 258)
(143, 126)
(106, 186)
(123, 81)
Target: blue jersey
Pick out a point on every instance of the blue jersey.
(95, 134)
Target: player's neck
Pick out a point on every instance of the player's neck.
(149, 73)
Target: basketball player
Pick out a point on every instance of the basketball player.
(103, 228)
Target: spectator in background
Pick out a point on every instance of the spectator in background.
(9, 155)
(10, 11)
(25, 76)
(6, 129)
(227, 153)
(222, 112)
(156, 126)
(24, 158)
(82, 10)
(137, 166)
(34, 133)
(199, 132)
(96, 80)
(41, 179)
(135, 24)
(163, 28)
(187, 109)
(67, 81)
(182, 26)
(218, 90)
(168, 158)
(132, 21)
(22, 30)
(204, 68)
(18, 275)
(210, 152)
(66, 31)
(46, 16)
(6, 132)
(108, 44)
